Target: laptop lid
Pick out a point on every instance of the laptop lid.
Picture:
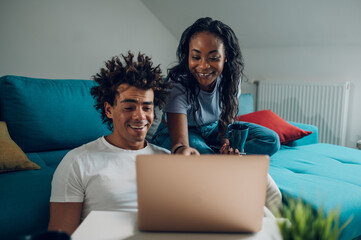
(206, 193)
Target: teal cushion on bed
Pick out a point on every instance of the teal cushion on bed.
(45, 114)
(323, 175)
(310, 139)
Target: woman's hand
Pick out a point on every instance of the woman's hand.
(189, 151)
(226, 149)
(178, 132)
(185, 150)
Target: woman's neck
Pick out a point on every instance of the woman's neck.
(209, 88)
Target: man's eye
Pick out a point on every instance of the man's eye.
(128, 108)
(147, 109)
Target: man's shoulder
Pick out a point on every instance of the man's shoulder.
(85, 148)
(158, 150)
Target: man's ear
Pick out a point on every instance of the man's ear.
(108, 110)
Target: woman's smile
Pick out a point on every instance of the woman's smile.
(206, 59)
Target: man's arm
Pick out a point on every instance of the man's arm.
(65, 216)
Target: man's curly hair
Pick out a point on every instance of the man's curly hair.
(139, 73)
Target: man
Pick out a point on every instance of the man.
(101, 175)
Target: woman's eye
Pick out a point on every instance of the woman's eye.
(195, 57)
(214, 58)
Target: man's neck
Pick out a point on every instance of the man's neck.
(129, 146)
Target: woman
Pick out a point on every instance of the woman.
(204, 97)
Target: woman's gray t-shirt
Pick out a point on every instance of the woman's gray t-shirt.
(208, 112)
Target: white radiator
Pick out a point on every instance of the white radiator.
(322, 104)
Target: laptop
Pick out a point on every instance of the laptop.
(206, 193)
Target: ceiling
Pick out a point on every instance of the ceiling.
(270, 23)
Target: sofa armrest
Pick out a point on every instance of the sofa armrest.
(310, 139)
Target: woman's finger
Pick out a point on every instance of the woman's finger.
(236, 152)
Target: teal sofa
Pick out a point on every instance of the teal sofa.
(47, 118)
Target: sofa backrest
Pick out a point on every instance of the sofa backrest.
(45, 114)
(48, 114)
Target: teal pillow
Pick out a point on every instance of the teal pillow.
(245, 104)
(45, 114)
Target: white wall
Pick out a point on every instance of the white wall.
(323, 45)
(326, 64)
(73, 38)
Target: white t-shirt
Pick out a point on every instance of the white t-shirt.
(100, 175)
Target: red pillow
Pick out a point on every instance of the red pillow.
(286, 131)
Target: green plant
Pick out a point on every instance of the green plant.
(300, 221)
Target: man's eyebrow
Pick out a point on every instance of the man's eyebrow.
(148, 103)
(135, 101)
(129, 101)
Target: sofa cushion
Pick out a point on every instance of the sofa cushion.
(245, 103)
(12, 158)
(287, 132)
(323, 175)
(310, 139)
(45, 114)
